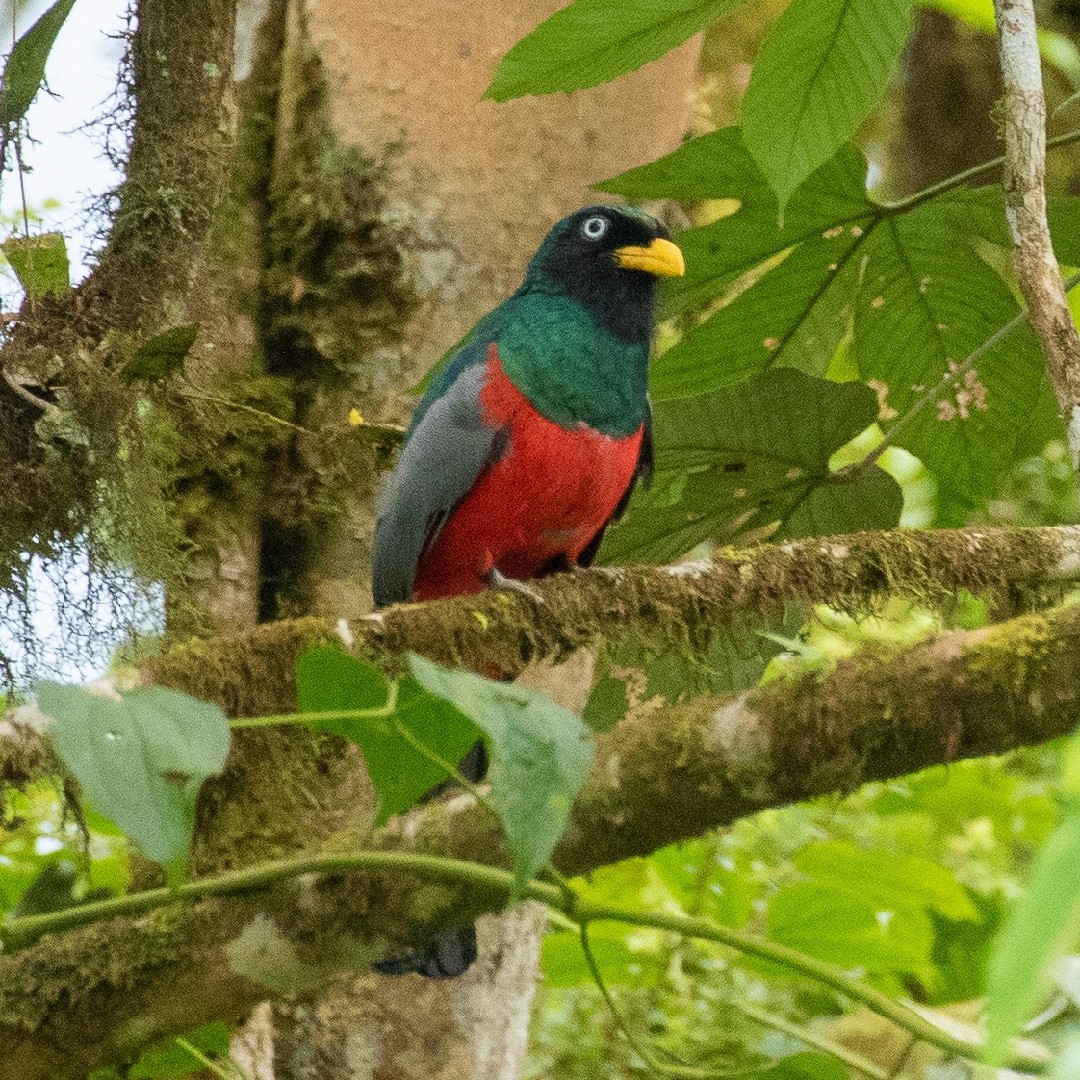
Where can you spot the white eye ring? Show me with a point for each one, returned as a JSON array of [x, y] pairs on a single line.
[[592, 228]]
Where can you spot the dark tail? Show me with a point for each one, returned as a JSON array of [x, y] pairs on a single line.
[[449, 955], [453, 951]]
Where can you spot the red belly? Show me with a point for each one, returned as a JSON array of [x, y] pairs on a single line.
[[548, 495]]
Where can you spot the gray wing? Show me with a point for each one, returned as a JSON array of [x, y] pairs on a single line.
[[441, 460]]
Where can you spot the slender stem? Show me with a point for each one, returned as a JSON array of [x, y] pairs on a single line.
[[821, 971], [18, 933], [951, 183], [810, 1038], [277, 719], [226, 403], [687, 1071]]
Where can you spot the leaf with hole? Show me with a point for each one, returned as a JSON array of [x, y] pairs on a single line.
[[140, 757], [926, 301], [40, 263], [540, 755], [328, 680], [593, 41], [24, 71]]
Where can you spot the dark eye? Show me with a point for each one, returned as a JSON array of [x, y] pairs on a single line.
[[592, 228]]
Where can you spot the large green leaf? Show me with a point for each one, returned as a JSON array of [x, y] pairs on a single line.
[[327, 680], [593, 41], [791, 317], [1036, 927], [24, 71], [754, 459], [846, 927], [820, 71], [926, 301], [889, 879], [540, 756], [140, 757]]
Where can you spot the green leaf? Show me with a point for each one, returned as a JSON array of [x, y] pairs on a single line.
[[159, 357], [1037, 926], [791, 317], [888, 878], [40, 263], [846, 927], [754, 459], [926, 301], [171, 1059], [24, 71], [327, 680], [140, 757], [806, 1066], [820, 71], [593, 41], [540, 756], [718, 166]]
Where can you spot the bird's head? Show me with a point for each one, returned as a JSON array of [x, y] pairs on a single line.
[[608, 259]]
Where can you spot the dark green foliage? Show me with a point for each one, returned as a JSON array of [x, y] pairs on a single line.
[[903, 285], [162, 355], [24, 71], [754, 458]]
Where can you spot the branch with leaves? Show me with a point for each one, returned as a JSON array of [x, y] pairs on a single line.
[[272, 930]]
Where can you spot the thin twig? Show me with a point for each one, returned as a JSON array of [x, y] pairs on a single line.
[[688, 1071]]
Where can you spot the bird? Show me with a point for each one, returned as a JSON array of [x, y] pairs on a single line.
[[529, 439]]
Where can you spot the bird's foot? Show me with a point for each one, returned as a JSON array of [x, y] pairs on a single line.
[[498, 580]]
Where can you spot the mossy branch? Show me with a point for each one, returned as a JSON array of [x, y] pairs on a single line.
[[251, 673], [74, 1001]]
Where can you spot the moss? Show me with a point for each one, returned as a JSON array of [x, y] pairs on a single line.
[[1006, 656]]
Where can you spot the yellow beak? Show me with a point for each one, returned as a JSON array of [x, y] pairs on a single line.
[[661, 257]]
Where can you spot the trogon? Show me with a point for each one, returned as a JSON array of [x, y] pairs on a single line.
[[529, 439]]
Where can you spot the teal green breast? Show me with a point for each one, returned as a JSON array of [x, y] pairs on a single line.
[[568, 366]]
